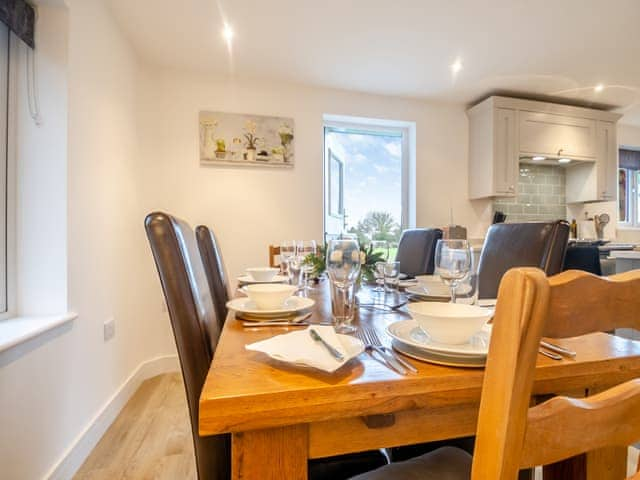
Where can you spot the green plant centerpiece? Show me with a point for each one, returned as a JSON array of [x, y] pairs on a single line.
[[368, 260]]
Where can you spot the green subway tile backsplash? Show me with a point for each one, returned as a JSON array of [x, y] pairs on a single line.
[[540, 195]]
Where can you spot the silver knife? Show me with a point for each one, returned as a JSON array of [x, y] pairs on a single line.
[[400, 360], [335, 353], [558, 349], [549, 354]]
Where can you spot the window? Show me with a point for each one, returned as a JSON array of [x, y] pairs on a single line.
[[4, 155], [629, 188], [366, 180]]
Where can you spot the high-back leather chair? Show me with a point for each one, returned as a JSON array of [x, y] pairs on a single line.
[[195, 327], [416, 250], [509, 245], [214, 270], [585, 258], [513, 435]]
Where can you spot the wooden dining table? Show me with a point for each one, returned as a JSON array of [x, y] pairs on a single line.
[[280, 416]]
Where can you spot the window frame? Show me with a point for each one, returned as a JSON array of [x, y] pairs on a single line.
[[632, 181], [378, 126], [11, 251]]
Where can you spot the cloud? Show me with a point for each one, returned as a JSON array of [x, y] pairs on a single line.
[[394, 149], [381, 169]]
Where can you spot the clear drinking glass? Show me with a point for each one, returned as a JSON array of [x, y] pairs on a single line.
[[343, 268], [452, 262], [305, 248], [378, 274], [382, 247], [287, 251], [391, 276], [469, 286]]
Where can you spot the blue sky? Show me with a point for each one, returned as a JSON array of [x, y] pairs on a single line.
[[373, 173]]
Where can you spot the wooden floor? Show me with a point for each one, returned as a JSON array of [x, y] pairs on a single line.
[[151, 438]]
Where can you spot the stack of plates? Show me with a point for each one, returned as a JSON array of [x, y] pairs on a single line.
[[410, 339], [244, 307]]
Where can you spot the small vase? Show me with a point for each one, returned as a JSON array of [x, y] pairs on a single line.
[[251, 154]]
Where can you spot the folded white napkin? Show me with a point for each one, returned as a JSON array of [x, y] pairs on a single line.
[[299, 348]]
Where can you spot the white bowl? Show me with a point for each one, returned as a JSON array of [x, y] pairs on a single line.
[[262, 274], [269, 296], [450, 323]]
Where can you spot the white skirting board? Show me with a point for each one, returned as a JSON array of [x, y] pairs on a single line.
[[79, 450]]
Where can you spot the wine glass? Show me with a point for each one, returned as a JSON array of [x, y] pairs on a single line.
[[343, 268], [378, 274], [304, 248], [287, 251], [453, 262], [382, 247]]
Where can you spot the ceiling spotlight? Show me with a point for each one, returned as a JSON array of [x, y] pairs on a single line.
[[227, 33], [538, 158], [598, 88], [564, 160], [456, 66]]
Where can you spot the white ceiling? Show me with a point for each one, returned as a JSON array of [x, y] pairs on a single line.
[[405, 47]]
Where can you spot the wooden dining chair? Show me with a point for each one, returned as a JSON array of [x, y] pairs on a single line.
[[274, 251], [214, 270], [512, 435]]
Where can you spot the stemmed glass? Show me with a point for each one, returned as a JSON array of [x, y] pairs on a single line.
[[381, 246], [378, 274], [304, 248], [343, 268], [452, 262], [287, 252]]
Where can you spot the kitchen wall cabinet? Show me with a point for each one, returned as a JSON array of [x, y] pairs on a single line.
[[503, 130]]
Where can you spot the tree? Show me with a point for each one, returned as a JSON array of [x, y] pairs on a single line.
[[377, 225]]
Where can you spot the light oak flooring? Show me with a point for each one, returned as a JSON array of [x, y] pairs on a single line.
[[151, 438]]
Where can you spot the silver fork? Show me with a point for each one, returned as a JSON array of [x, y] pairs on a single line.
[[384, 357], [374, 340]]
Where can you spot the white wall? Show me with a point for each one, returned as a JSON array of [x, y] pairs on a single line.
[[52, 388], [250, 208]]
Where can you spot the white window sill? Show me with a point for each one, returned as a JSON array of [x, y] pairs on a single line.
[[15, 331], [628, 227]]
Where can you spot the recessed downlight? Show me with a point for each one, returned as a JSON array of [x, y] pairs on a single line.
[[564, 160], [227, 33], [456, 66], [598, 88], [538, 158]]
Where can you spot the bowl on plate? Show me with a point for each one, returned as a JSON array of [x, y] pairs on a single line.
[[449, 323], [262, 274], [269, 296]]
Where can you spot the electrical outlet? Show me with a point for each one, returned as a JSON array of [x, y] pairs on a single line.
[[109, 328]]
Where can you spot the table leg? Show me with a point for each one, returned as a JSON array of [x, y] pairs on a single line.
[[270, 454]]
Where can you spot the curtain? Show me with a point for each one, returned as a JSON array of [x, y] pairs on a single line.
[[629, 159], [20, 17]]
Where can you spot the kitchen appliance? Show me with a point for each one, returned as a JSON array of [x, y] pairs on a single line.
[[600, 222]]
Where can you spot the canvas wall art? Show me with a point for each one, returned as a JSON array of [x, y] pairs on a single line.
[[246, 140]]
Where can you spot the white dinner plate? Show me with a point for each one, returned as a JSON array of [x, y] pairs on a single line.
[[409, 333], [248, 279], [291, 305], [439, 359]]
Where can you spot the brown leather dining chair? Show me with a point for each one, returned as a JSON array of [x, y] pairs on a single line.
[[214, 270], [416, 251], [509, 245], [511, 434], [197, 330], [195, 327]]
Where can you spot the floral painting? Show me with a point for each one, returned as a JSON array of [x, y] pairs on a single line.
[[238, 139]]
